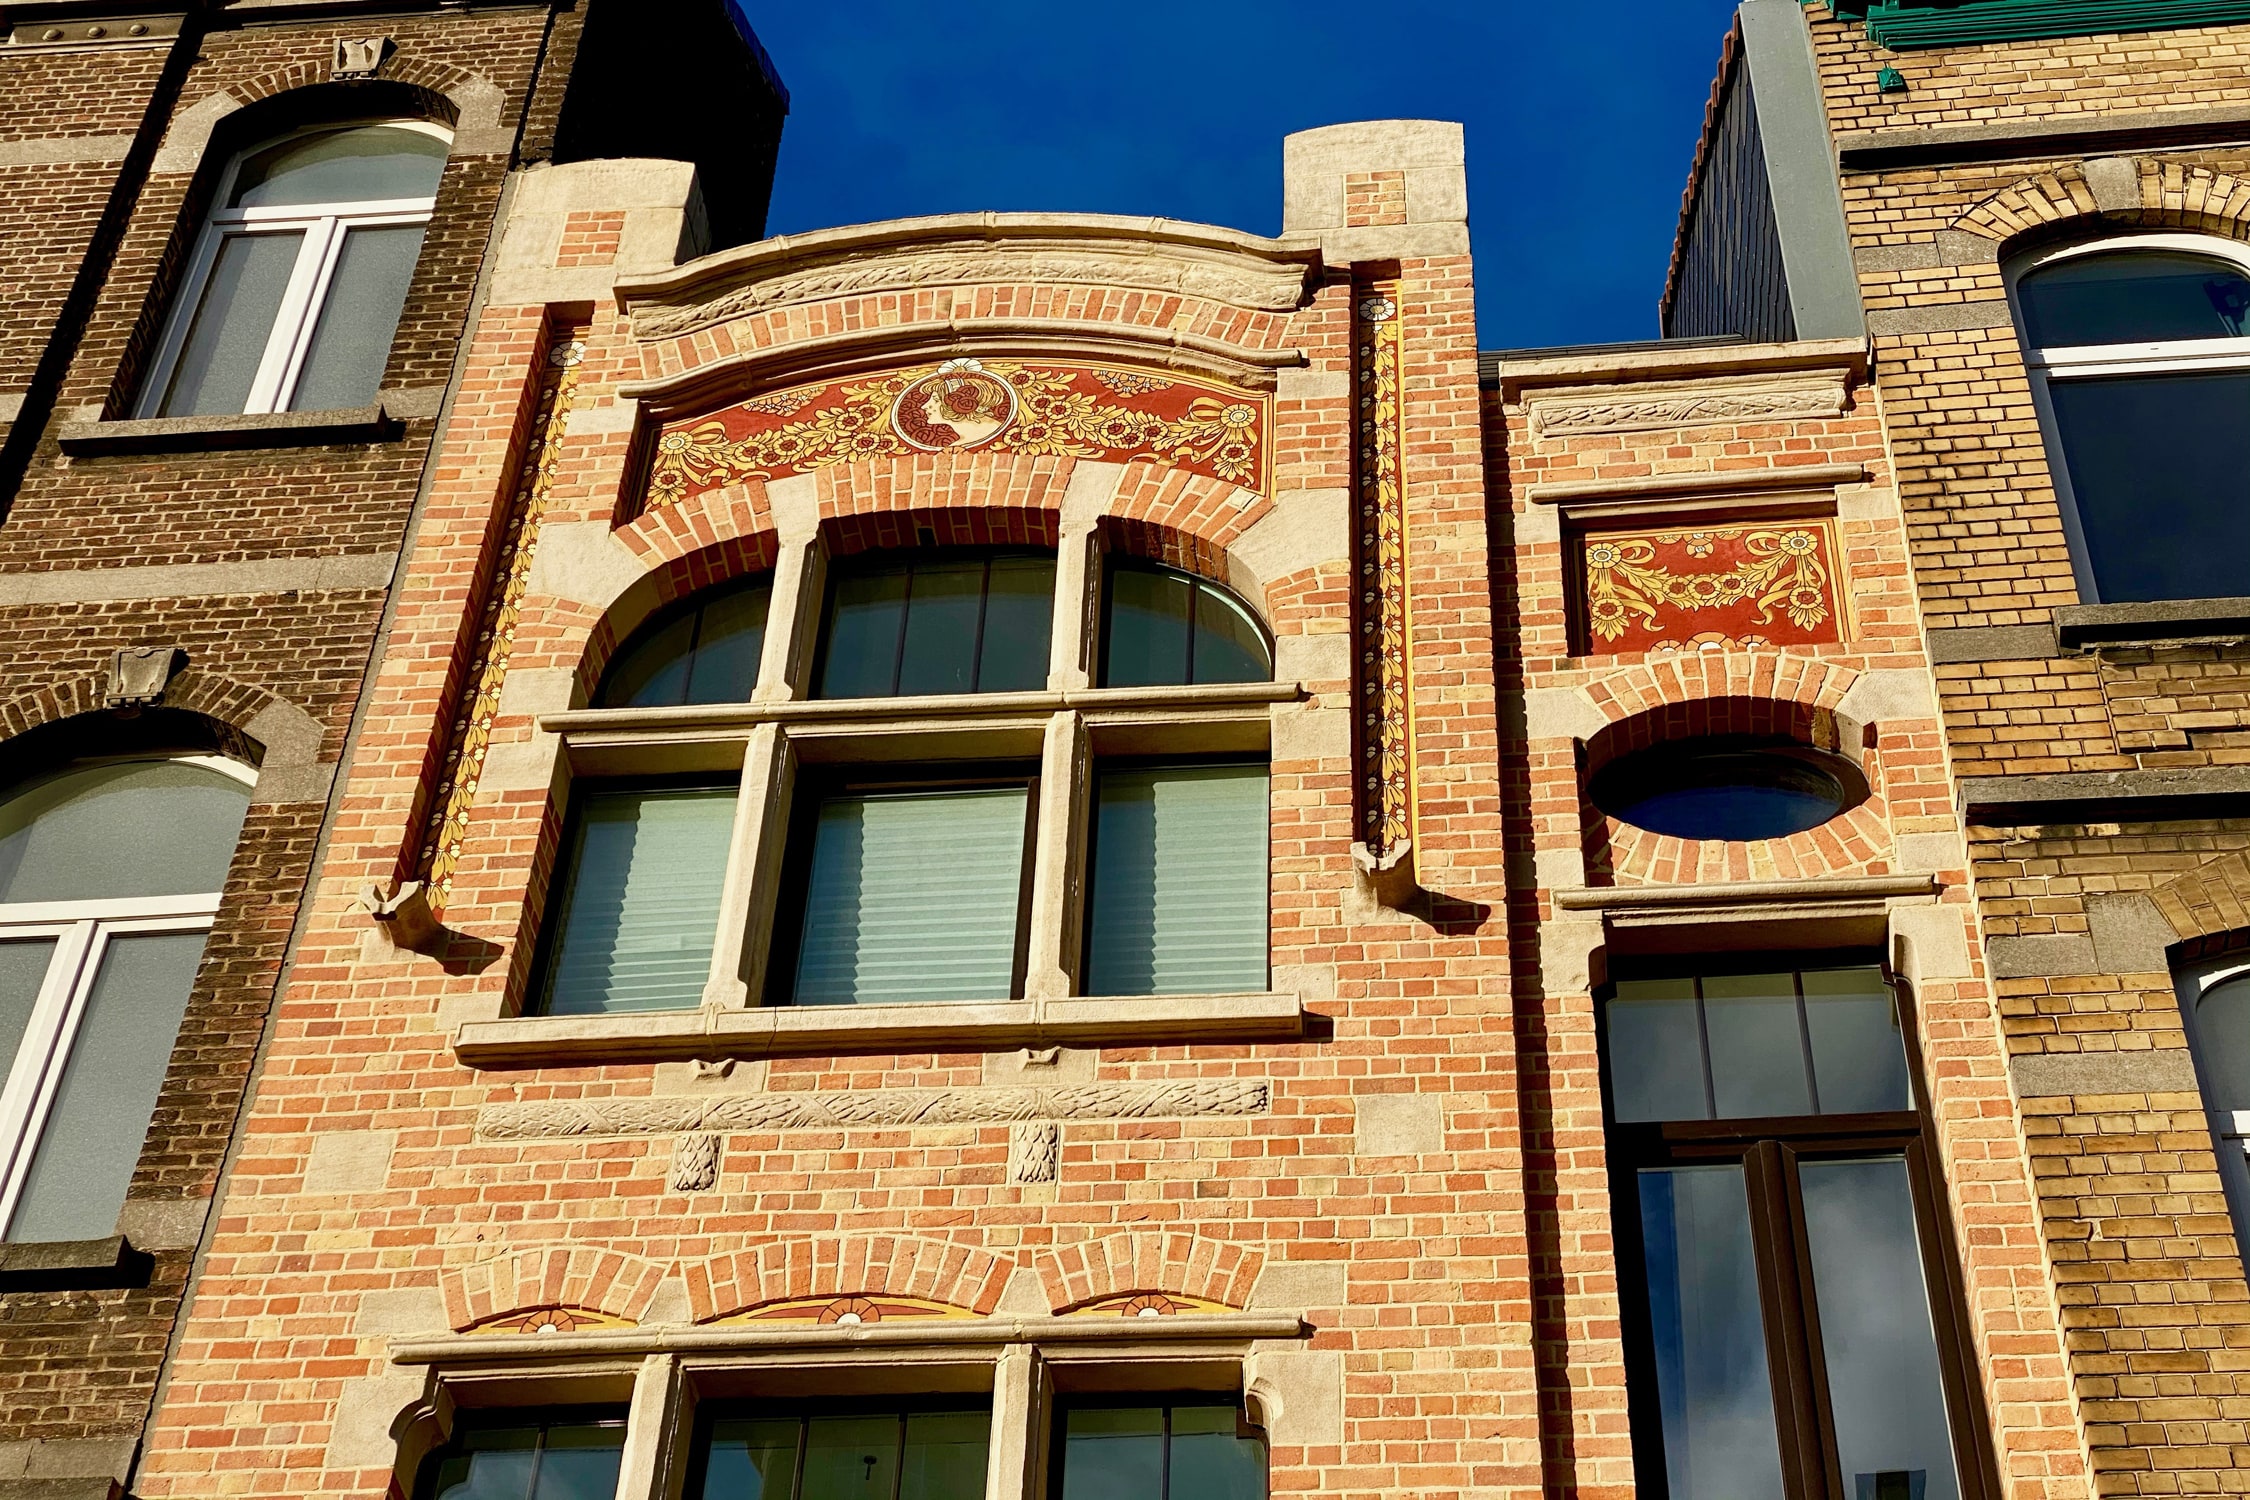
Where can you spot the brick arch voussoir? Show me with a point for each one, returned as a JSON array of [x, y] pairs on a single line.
[[2171, 195], [847, 1265], [1014, 494], [1172, 1262], [242, 709], [1647, 687], [2208, 907], [683, 549], [588, 1278]]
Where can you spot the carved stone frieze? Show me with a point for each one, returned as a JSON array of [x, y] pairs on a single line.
[[1700, 403], [871, 1109]]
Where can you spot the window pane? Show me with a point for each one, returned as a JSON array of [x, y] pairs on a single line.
[[851, 1458], [1757, 1050], [1209, 1462], [85, 833], [528, 1461], [1019, 622], [704, 654], [752, 1458], [1229, 646], [342, 166], [940, 651], [92, 1137], [1180, 882], [494, 1464], [946, 1455], [2222, 1036], [640, 901], [2152, 460], [1709, 1336], [1145, 642], [1859, 1055], [913, 896], [866, 616], [580, 1462], [351, 342], [1655, 1051], [23, 969], [653, 671], [2134, 298], [233, 324], [727, 649], [1113, 1453], [1891, 1433]]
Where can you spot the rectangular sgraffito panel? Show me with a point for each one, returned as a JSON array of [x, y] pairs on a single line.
[[1774, 583]]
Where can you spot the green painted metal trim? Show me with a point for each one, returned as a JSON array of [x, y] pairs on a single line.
[[1906, 24]]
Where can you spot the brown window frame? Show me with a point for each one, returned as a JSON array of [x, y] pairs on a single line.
[[1769, 1148]]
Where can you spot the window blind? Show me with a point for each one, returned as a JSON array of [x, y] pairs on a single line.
[[913, 896], [640, 901], [1179, 892]]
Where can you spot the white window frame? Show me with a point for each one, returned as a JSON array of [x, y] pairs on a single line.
[[2087, 361], [2230, 1128], [324, 226], [81, 932]]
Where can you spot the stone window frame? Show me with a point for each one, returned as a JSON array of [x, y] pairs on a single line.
[[325, 227], [1067, 729], [29, 1081], [2230, 1129], [1027, 1366], [2042, 366]]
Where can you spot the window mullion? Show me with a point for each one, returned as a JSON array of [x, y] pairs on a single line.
[[1078, 591], [1015, 1468], [656, 1438], [1792, 1353], [754, 863], [1058, 859], [800, 581], [292, 325]]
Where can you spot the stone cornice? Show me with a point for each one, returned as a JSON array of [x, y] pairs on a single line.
[[1160, 255], [1684, 360]]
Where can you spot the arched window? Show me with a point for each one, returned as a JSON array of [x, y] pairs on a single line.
[[702, 650], [2215, 1004], [2140, 358], [1162, 628], [109, 877], [938, 623], [298, 281]]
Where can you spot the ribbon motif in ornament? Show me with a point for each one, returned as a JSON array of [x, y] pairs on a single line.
[[1778, 578]]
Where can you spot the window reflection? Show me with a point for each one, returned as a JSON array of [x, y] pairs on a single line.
[[1730, 787], [844, 1455], [944, 623], [704, 650], [1166, 628], [529, 1459], [1193, 1450]]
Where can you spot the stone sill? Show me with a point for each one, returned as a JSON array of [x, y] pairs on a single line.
[[286, 429], [71, 1265], [2164, 620], [2105, 796], [791, 1031]]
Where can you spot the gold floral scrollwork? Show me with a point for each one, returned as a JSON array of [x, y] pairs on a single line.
[[1782, 569]]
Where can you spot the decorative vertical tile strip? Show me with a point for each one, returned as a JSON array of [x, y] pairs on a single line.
[[471, 733], [1385, 738]]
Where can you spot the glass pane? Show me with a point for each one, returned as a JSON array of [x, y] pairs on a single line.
[[653, 671], [1757, 1049], [1891, 1433], [2148, 467], [752, 1459], [2135, 298], [1655, 1052], [1019, 621], [489, 1464], [1718, 791], [1229, 646], [1859, 1055], [87, 832], [727, 649], [866, 615], [342, 166], [351, 342], [640, 903], [2222, 1037], [1209, 1462], [580, 1462], [851, 1458], [1711, 1377], [913, 896], [945, 1455], [23, 969], [92, 1136], [940, 652], [233, 324], [1113, 1453], [1145, 641], [1180, 882]]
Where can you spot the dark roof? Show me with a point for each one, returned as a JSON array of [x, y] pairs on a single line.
[[1730, 55]]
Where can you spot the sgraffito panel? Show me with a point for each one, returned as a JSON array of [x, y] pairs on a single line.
[[1042, 410], [1774, 583]]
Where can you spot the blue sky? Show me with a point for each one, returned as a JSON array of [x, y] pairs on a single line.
[[1581, 122]]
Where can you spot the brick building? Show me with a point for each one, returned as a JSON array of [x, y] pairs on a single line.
[[240, 243], [1041, 855]]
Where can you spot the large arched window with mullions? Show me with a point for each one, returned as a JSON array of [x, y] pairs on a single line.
[[704, 649], [2139, 352], [110, 874], [1162, 627], [300, 275]]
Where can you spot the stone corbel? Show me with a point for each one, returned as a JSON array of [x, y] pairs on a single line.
[[359, 56], [1389, 878], [403, 915], [139, 675]]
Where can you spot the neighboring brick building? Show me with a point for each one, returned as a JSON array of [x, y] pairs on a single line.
[[239, 244]]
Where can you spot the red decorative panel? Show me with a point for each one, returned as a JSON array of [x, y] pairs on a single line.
[[1077, 411], [1776, 583]]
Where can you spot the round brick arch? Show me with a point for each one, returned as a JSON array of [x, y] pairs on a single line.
[[900, 1265], [253, 723], [2168, 195]]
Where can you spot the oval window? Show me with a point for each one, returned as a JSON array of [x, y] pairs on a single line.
[[1733, 787]]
